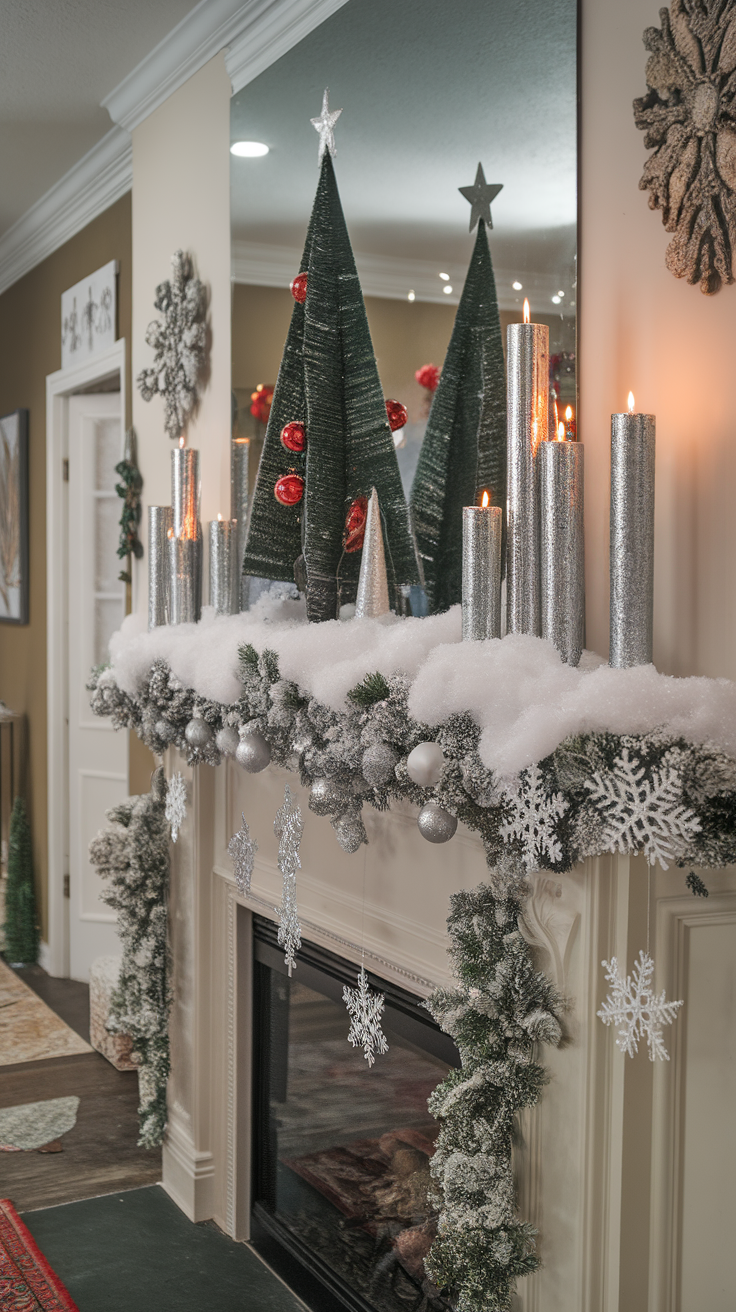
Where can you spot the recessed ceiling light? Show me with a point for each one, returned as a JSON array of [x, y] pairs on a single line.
[[555, 300], [447, 290], [445, 277], [560, 293], [249, 149], [411, 296], [516, 286]]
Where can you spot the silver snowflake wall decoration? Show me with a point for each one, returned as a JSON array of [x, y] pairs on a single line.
[[179, 340], [176, 804], [640, 813], [365, 1010], [288, 827], [242, 849], [533, 815], [636, 1009]]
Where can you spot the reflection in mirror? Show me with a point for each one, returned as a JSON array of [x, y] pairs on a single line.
[[428, 88]]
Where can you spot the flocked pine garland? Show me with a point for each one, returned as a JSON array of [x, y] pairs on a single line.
[[654, 793]]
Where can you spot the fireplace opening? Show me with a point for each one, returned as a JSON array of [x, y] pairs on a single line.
[[342, 1193]]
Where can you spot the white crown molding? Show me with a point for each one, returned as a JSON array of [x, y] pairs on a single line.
[[262, 265], [271, 28], [99, 178]]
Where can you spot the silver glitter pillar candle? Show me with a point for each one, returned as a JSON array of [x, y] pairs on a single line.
[[239, 458], [372, 598], [632, 538], [184, 575], [222, 562], [482, 526], [159, 523], [185, 491], [562, 547], [527, 364]]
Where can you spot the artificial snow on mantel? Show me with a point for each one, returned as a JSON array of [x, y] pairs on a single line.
[[525, 700]]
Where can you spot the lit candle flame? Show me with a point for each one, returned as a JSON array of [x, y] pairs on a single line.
[[170, 533], [631, 403], [568, 413], [560, 432], [219, 516], [484, 499], [181, 440], [527, 312]]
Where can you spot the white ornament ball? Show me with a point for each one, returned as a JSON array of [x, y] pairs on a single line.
[[252, 752], [435, 823], [198, 733], [379, 764], [226, 740], [326, 797], [424, 764]]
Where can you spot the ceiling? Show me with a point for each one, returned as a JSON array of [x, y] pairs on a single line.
[[427, 88], [58, 60]]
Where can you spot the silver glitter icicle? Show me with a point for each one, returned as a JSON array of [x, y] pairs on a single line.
[[288, 827], [632, 539]]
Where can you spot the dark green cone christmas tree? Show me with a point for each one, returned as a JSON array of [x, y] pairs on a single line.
[[464, 447], [329, 391], [21, 926]]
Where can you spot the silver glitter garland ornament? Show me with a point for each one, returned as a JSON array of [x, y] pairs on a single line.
[[226, 740], [326, 797], [424, 764], [198, 733], [242, 849], [350, 832], [175, 809], [378, 764], [252, 752], [165, 731], [435, 823], [372, 599], [632, 538], [288, 827]]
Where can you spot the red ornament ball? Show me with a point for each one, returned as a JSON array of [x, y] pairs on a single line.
[[294, 436], [289, 489], [428, 376], [299, 288], [355, 524], [397, 414]]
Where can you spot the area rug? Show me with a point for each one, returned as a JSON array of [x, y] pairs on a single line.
[[29, 1030], [36, 1124], [27, 1283]]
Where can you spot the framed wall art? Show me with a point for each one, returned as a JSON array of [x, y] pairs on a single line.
[[14, 518]]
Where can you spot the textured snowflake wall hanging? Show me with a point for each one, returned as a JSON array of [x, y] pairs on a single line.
[[636, 1009], [365, 1010], [179, 340], [242, 849], [639, 814], [534, 813], [689, 117], [176, 804], [288, 827]]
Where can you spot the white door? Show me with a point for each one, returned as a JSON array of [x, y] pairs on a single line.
[[98, 755]]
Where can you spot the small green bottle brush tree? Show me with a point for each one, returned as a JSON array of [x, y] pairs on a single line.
[[329, 437]]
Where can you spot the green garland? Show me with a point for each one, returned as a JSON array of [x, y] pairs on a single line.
[[129, 489]]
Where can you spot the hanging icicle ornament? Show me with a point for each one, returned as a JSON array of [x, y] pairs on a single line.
[[242, 849], [365, 1010], [176, 804], [636, 1009], [288, 827]]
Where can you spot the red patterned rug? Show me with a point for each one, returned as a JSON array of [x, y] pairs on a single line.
[[27, 1283]]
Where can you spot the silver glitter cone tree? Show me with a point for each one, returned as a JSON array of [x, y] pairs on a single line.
[[328, 383], [464, 447]]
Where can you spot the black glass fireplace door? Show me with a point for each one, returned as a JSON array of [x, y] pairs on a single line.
[[341, 1150]]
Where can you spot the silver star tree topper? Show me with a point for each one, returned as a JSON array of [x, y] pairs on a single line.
[[480, 196], [365, 1009], [638, 1011], [242, 849], [325, 125], [176, 804]]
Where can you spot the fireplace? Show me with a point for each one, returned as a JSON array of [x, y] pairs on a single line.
[[342, 1203]]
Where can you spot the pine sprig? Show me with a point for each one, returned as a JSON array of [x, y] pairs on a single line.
[[374, 688]]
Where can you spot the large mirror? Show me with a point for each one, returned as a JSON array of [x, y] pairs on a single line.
[[427, 89]]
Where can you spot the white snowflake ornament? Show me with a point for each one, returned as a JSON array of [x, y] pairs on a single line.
[[288, 827], [636, 1009], [176, 804], [639, 814], [365, 1010], [179, 340], [242, 849], [533, 819]]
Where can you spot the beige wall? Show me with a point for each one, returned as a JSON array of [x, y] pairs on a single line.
[[30, 348], [643, 329]]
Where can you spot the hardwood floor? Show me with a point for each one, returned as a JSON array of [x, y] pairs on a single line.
[[100, 1155]]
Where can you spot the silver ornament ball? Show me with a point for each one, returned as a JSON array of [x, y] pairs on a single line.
[[350, 832], [378, 764], [435, 823], [165, 731], [253, 752], [424, 764], [198, 733], [326, 797], [226, 740]]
